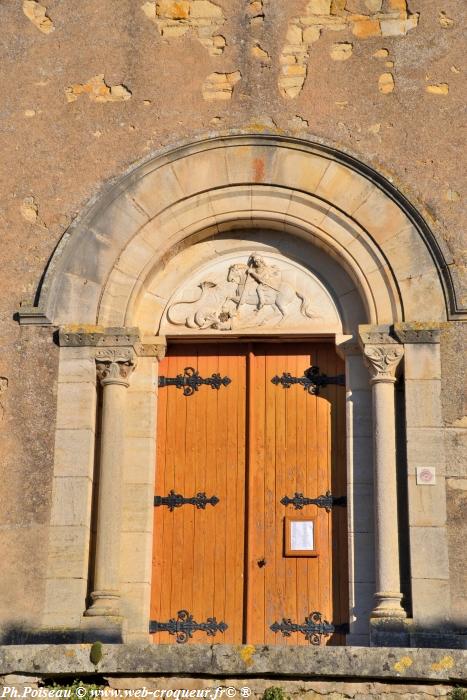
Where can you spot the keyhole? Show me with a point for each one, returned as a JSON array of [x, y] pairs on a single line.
[[261, 563]]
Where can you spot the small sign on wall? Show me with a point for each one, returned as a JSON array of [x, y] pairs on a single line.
[[300, 537], [426, 476]]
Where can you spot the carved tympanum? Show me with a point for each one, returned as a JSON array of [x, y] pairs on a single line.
[[114, 365], [382, 360], [253, 294]]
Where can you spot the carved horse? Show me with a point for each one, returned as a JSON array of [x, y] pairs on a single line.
[[279, 297]]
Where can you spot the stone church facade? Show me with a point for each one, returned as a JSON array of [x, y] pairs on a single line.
[[232, 392]]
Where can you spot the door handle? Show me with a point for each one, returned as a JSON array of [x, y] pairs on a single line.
[[261, 563]]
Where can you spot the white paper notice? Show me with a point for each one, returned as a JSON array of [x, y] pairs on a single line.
[[302, 535]]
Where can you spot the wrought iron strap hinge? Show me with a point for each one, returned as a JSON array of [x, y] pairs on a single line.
[[312, 381], [328, 501], [190, 381], [185, 625], [313, 628], [176, 500]]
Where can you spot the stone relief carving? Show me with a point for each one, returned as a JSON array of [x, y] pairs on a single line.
[[382, 360], [250, 294], [114, 365]]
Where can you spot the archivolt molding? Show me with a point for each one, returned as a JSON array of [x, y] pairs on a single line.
[[104, 268]]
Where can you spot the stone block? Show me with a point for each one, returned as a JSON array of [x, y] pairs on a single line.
[[382, 217], [64, 602], [210, 168], [136, 599], [407, 255], [425, 446], [429, 553], [422, 361], [71, 501], [365, 28], [157, 190], [140, 418], [139, 459], [205, 9], [294, 170], [319, 7], [137, 508], [76, 406], [362, 520], [116, 296], [77, 298], [423, 297], [362, 546], [74, 453], [423, 403], [136, 557], [362, 460], [430, 602], [427, 504], [359, 412], [74, 370], [362, 603], [344, 188], [338, 227], [68, 552], [136, 256]]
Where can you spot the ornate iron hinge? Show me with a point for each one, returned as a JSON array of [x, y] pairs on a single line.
[[190, 381], [312, 380], [328, 501], [314, 628], [176, 500], [184, 626]]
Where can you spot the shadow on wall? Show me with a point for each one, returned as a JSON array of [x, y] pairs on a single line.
[[442, 636], [21, 634]]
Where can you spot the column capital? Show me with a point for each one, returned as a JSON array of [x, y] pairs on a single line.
[[114, 365], [382, 361]]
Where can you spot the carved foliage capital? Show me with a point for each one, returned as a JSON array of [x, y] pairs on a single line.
[[382, 361], [114, 365]]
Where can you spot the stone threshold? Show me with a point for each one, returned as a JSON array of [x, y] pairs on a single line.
[[220, 660]]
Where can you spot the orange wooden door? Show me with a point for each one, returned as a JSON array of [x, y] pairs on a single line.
[[296, 445], [198, 555], [249, 444]]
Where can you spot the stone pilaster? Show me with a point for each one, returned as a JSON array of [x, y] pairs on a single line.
[[382, 360], [114, 366]]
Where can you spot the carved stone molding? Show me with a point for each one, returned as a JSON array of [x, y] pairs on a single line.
[[412, 333], [382, 361], [114, 365], [97, 336]]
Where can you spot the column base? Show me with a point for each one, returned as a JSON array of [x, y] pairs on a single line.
[[388, 605], [390, 632], [104, 604]]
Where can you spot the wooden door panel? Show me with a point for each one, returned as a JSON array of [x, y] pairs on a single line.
[[198, 555], [250, 444], [292, 449]]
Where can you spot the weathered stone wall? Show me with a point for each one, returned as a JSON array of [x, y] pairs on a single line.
[[91, 88]]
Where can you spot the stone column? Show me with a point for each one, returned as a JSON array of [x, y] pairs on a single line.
[[114, 366], [382, 361]]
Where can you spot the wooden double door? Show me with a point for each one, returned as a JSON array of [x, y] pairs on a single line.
[[238, 556]]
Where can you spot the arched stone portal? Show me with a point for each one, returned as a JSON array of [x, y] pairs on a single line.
[[339, 234]]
